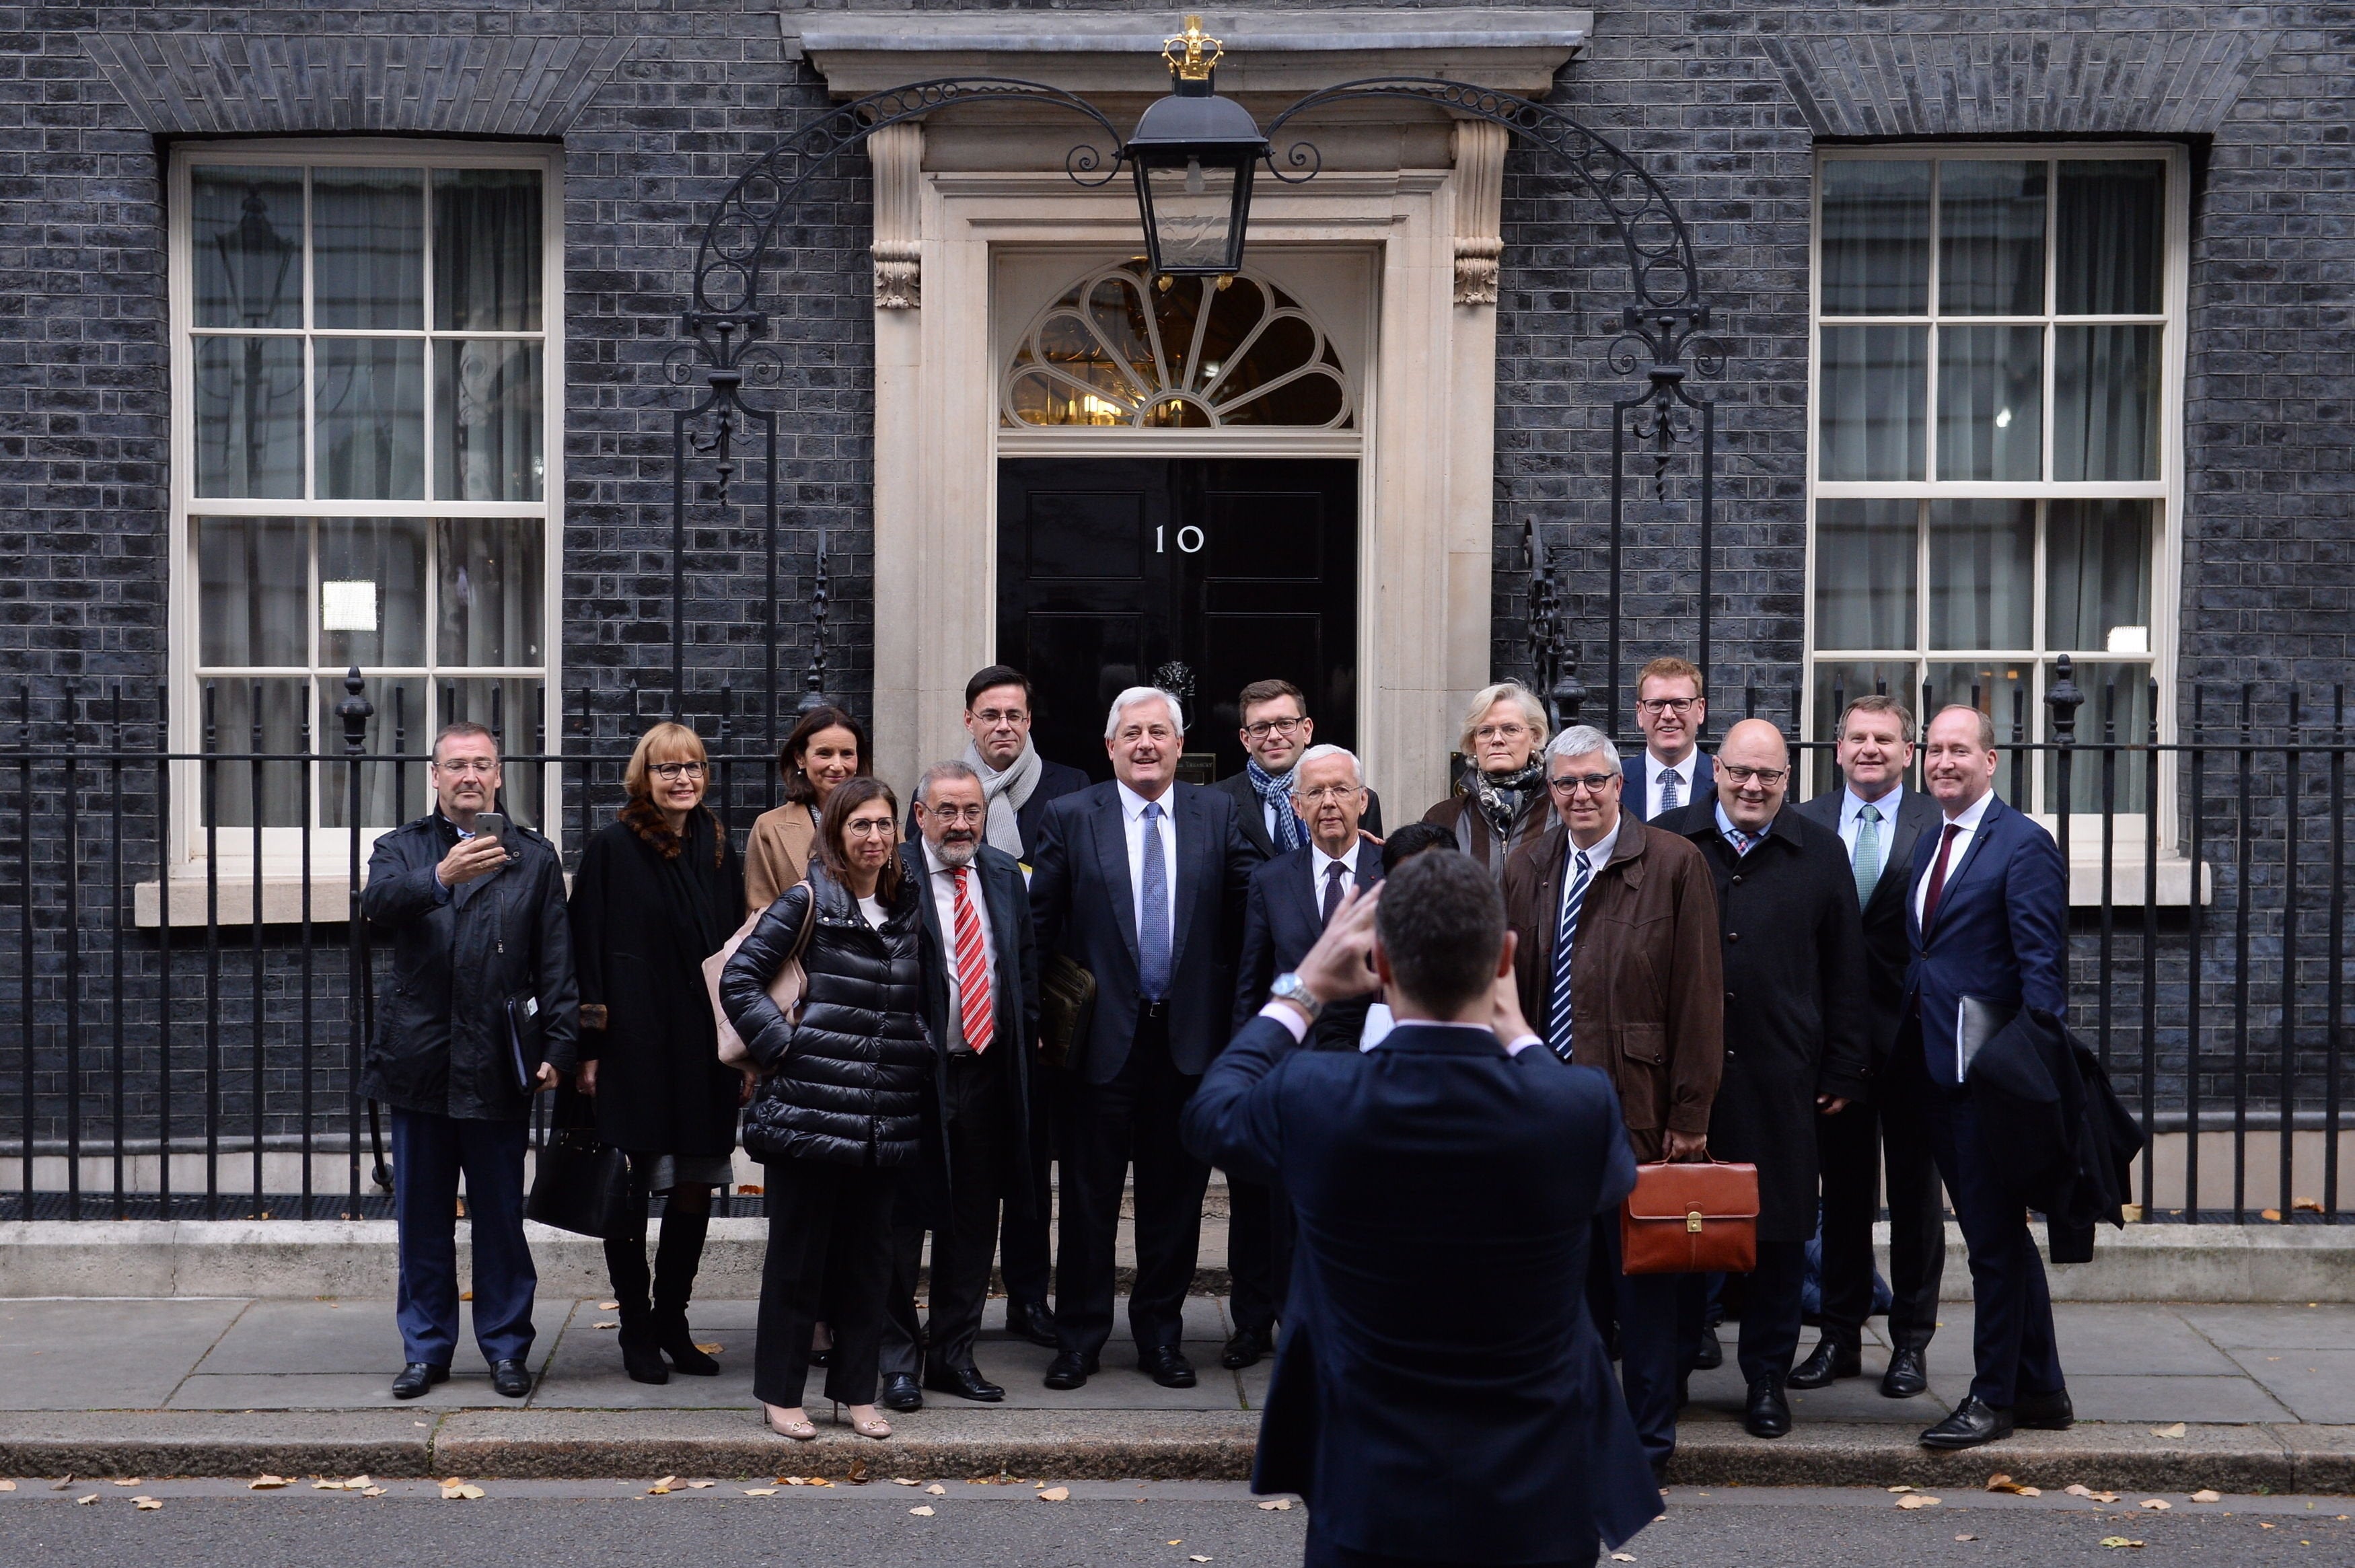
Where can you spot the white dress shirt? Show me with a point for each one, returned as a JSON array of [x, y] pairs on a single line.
[[1851, 803], [1131, 816], [943, 881], [1969, 822], [1651, 770], [1598, 855], [1297, 1027], [1318, 860]]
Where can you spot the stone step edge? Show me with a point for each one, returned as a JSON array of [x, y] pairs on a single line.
[[1183, 1445]]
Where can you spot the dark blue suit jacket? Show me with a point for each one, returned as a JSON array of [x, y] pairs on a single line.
[[1433, 1171], [2000, 931], [1282, 919], [1637, 767], [1085, 908]]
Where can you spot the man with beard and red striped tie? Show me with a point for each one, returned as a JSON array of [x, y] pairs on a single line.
[[981, 1007], [1619, 965]]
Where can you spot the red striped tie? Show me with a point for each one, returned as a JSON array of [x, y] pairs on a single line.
[[972, 971]]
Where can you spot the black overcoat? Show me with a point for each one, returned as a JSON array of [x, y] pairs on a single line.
[[642, 923], [1797, 1020]]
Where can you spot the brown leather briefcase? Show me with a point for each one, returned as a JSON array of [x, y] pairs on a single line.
[[1691, 1217]]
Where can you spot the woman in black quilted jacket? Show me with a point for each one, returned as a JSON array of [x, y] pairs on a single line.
[[840, 1106]]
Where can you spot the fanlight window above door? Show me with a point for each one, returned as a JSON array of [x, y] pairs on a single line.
[[1202, 353]]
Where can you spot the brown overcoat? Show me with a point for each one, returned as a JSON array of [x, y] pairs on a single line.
[[1647, 977], [778, 857]]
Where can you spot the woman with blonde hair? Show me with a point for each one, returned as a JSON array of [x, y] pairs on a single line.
[[1500, 804], [828, 747], [658, 892]]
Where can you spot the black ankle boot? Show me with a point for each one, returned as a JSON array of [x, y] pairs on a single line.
[[676, 1257], [625, 1267]]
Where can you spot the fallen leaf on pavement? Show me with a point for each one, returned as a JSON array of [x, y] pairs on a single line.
[[1277, 1505], [937, 1490], [923, 1510], [2176, 1429], [2118, 1540], [2273, 1214], [62, 1486], [265, 1483], [147, 1505], [372, 1491], [1917, 1500], [609, 1306], [1967, 1538], [1061, 1494], [659, 1489], [92, 1499], [464, 1490], [2204, 1495], [859, 1472], [133, 1481], [1901, 1489], [699, 1486], [711, 1350], [760, 1491], [905, 1481], [2157, 1505], [2105, 1496], [2081, 1491], [607, 1324], [8, 1485], [2308, 1205], [1999, 1482], [466, 1295], [1198, 1557], [1623, 1557]]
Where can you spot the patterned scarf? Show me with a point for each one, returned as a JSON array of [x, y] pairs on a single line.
[[1275, 793], [1500, 796], [1007, 793]]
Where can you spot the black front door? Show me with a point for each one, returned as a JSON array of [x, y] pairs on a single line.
[[1198, 574]]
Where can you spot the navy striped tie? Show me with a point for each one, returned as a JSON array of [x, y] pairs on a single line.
[[1581, 873]]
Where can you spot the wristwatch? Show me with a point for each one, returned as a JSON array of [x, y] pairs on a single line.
[[1289, 987]]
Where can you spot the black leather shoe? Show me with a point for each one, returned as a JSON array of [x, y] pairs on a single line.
[[1244, 1349], [1971, 1425], [1769, 1414], [1713, 1353], [965, 1382], [1828, 1363], [1906, 1376], [416, 1378], [1031, 1320], [900, 1392], [1068, 1372], [510, 1378], [2044, 1412], [1166, 1365]]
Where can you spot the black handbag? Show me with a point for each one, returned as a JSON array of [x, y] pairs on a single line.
[[1067, 1006], [582, 1183]]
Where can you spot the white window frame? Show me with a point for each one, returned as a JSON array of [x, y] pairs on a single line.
[[2166, 491], [281, 851]]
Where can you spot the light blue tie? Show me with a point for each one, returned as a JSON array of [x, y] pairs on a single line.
[[1581, 872], [1867, 853], [1153, 929], [1668, 783]]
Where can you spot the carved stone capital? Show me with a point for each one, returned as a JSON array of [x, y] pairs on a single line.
[[898, 153], [1479, 200]]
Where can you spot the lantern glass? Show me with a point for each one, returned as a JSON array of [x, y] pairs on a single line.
[[1193, 211]]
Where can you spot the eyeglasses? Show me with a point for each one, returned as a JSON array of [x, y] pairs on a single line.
[[957, 813], [668, 770], [1324, 792], [1657, 705], [485, 766], [1267, 727], [1765, 777], [1592, 783], [1002, 716], [867, 827], [1501, 732]]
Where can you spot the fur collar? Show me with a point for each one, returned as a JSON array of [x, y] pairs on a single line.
[[646, 819]]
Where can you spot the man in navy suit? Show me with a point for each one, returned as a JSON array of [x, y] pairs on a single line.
[[1878, 821], [1141, 883], [1459, 1161], [1672, 771], [1276, 733], [1988, 919], [1293, 897]]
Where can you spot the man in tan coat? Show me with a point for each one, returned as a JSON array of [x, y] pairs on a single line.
[[1620, 969]]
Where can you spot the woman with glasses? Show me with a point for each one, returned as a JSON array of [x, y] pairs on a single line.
[[825, 748], [841, 1106], [1501, 802], [657, 893]]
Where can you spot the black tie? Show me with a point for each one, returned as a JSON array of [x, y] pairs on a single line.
[[1333, 875]]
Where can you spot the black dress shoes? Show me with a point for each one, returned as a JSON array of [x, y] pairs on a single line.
[[1906, 1376], [900, 1392], [1244, 1349], [510, 1378], [965, 1382], [1031, 1320], [2044, 1412], [1768, 1414], [416, 1378], [1068, 1372], [1830, 1362], [1712, 1352], [1166, 1365], [1971, 1425]]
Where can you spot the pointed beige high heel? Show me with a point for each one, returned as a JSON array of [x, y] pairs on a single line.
[[801, 1431], [873, 1427]]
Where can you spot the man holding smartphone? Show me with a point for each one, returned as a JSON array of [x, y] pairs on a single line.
[[480, 1015]]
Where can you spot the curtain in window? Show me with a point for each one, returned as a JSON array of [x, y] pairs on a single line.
[[1876, 238], [2106, 402], [1990, 237], [391, 794], [490, 589], [252, 580], [372, 591], [2097, 576], [1874, 396], [369, 435], [1982, 573], [1864, 573], [487, 399], [487, 259], [226, 717], [367, 248], [1990, 402], [2108, 234], [245, 246]]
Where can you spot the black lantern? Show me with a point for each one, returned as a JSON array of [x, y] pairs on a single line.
[[256, 258], [1194, 154]]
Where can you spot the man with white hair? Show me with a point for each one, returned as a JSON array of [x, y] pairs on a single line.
[[1141, 883]]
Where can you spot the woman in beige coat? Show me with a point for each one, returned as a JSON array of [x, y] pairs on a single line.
[[828, 747]]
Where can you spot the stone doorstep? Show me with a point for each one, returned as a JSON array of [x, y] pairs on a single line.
[[299, 1258], [1100, 1444]]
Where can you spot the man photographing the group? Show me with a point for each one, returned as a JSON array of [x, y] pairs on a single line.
[[1395, 1160]]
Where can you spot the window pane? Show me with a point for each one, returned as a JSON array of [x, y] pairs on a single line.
[[490, 591], [1839, 682], [1982, 573], [1876, 238], [487, 249], [2097, 576], [367, 247], [511, 709], [372, 591], [391, 794], [1990, 237], [1996, 689], [487, 401], [1864, 573], [249, 398], [2117, 704], [253, 577], [2109, 246], [245, 246], [1873, 389], [371, 418], [1990, 402], [227, 717], [2106, 402]]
